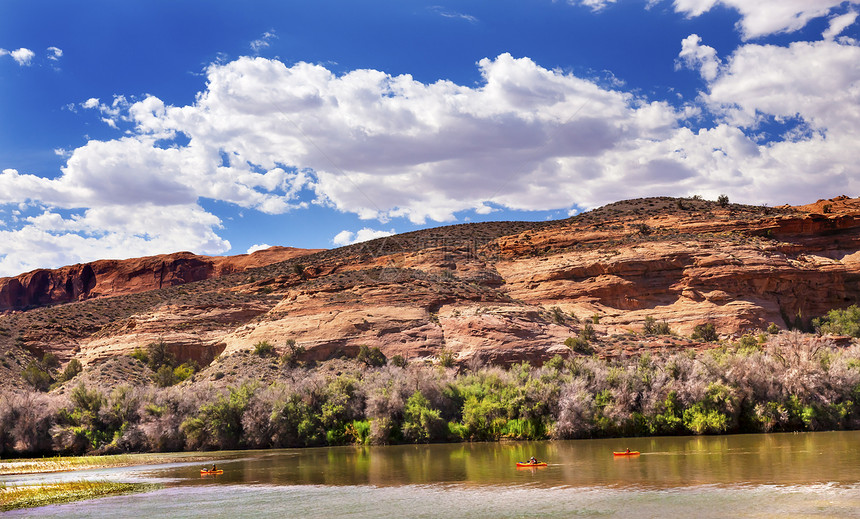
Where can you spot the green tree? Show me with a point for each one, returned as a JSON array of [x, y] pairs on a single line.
[[372, 357], [840, 322], [705, 332]]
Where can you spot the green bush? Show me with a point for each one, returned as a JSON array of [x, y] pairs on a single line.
[[840, 322], [579, 345], [293, 354], [164, 377], [159, 355], [446, 358], [73, 368], [264, 349], [36, 375], [372, 357], [723, 200], [773, 329], [422, 423], [652, 327], [705, 332]]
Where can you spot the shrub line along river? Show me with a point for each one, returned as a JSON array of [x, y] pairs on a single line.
[[768, 475]]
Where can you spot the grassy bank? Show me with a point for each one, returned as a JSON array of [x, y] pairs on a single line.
[[69, 463], [31, 496]]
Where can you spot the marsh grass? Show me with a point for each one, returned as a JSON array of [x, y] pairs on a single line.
[[31, 496], [69, 463]]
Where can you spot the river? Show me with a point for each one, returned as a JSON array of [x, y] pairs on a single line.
[[762, 476]]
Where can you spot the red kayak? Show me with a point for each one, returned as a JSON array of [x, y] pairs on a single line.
[[210, 472], [626, 453], [541, 464]]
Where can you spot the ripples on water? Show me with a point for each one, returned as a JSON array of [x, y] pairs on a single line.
[[760, 476]]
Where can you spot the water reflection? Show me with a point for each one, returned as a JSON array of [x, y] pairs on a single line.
[[777, 459]]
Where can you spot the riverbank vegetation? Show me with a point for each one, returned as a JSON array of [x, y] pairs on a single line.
[[784, 382], [31, 496]]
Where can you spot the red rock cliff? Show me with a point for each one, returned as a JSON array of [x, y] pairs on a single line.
[[106, 278]]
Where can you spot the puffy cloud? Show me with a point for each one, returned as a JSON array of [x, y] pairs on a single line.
[[54, 53], [763, 17], [816, 81], [365, 234], [118, 231], [697, 56], [258, 246], [839, 24], [22, 56], [271, 137]]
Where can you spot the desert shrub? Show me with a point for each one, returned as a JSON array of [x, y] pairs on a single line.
[[446, 358], [140, 354], [50, 362], [72, 369], [723, 200], [579, 345], [26, 421], [164, 377], [37, 376], [587, 332], [372, 357], [839, 322], [88, 424], [558, 316], [185, 370], [705, 332], [399, 361], [264, 349], [555, 363], [295, 424], [293, 355], [158, 355], [652, 327], [773, 329]]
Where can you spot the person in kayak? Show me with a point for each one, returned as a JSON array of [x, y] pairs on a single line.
[[628, 450], [533, 461]]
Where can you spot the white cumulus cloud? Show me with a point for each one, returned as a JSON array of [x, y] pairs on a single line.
[[22, 56], [365, 234], [763, 17], [257, 246], [697, 56]]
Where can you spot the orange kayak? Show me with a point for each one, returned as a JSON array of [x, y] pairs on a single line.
[[631, 453], [541, 464], [209, 472]]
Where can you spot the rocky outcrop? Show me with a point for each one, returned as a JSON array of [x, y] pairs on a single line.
[[105, 278], [489, 292]]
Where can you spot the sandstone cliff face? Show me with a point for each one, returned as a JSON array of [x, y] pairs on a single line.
[[495, 292], [107, 278]]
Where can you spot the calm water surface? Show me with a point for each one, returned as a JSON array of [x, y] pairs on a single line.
[[762, 476]]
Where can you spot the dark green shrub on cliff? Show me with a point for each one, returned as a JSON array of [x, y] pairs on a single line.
[[372, 357], [839, 322], [37, 376], [705, 332], [264, 349]]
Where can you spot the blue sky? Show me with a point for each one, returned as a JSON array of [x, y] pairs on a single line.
[[143, 127]]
